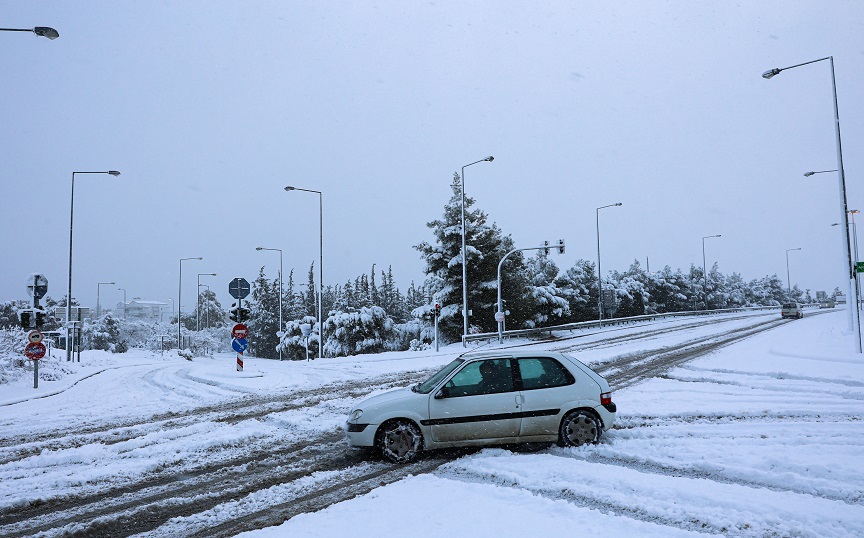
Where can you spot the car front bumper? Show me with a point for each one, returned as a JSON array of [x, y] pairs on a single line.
[[360, 435]]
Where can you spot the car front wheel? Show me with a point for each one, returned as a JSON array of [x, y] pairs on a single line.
[[399, 441], [579, 428]]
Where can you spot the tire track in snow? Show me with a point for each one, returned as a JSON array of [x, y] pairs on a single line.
[[171, 496]]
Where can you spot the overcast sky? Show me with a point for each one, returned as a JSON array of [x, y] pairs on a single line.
[[209, 109]]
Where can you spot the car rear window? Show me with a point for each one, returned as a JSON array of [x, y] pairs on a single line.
[[543, 372]]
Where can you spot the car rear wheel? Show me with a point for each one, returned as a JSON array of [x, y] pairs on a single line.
[[579, 428], [399, 441]]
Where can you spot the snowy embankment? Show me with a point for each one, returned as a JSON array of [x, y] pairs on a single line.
[[763, 438]]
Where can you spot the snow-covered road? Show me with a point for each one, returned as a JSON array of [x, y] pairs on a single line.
[[759, 437]]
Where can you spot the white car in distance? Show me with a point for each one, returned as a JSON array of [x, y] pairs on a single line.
[[488, 398]]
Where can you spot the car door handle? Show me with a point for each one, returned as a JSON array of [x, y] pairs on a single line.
[[520, 399]]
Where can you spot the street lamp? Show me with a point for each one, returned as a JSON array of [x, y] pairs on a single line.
[[320, 266], [180, 302], [42, 31], [280, 291], [198, 302], [98, 305], [704, 272], [69, 293], [124, 301], [788, 281], [464, 257], [808, 174], [599, 274], [850, 270]]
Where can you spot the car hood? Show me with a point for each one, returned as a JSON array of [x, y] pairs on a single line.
[[387, 397]]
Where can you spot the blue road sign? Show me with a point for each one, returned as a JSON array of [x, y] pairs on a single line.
[[239, 344], [238, 288]]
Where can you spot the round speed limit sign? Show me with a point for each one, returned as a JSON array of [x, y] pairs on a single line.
[[34, 337]]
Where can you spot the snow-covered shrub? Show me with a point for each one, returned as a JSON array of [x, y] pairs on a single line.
[[12, 359], [353, 333], [417, 345], [104, 334], [404, 334], [293, 343]]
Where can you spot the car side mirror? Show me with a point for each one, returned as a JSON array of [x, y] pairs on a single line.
[[442, 393]]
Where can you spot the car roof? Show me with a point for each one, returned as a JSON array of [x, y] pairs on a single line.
[[507, 353]]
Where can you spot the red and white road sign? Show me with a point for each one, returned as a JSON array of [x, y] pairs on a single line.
[[35, 351], [240, 331], [34, 337]]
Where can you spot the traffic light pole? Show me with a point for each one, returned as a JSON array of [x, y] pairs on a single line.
[[437, 315], [239, 319], [499, 315]]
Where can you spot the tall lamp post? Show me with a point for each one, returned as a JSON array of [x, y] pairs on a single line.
[[599, 274], [281, 328], [198, 302], [320, 266], [42, 31], [464, 258], [704, 271], [180, 302], [98, 290], [850, 270], [69, 293], [124, 301], [788, 281]]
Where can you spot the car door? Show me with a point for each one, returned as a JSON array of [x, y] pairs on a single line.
[[470, 407], [546, 385]]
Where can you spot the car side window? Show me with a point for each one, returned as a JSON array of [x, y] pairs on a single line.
[[491, 376], [543, 373]]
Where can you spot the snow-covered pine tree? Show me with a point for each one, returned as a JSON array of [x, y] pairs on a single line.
[[264, 322], [309, 296], [550, 306], [210, 312], [485, 246], [578, 285]]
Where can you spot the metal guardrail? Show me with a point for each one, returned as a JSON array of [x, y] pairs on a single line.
[[617, 321]]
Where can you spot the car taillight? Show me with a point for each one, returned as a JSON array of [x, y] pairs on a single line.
[[606, 398]]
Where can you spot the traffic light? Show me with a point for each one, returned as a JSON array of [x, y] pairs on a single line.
[[437, 310], [560, 246], [24, 316], [546, 247], [40, 318], [238, 315]]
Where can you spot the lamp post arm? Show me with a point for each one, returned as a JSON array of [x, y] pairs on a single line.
[[806, 63]]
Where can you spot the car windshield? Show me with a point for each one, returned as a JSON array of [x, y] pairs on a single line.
[[427, 386], [788, 306]]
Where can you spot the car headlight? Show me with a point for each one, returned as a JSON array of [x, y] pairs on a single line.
[[356, 414]]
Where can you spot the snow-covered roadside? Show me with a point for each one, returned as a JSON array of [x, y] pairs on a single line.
[[762, 438]]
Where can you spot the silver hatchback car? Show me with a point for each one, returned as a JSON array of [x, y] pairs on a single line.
[[791, 310], [489, 398]]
